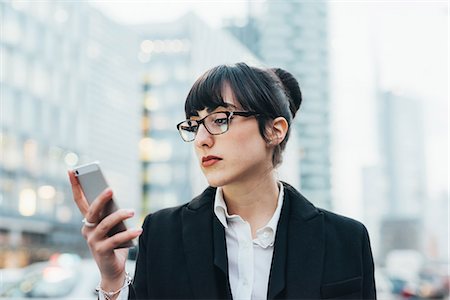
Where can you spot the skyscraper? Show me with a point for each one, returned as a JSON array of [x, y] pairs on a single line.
[[294, 37], [402, 148], [65, 101]]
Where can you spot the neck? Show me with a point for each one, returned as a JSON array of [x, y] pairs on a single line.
[[255, 201]]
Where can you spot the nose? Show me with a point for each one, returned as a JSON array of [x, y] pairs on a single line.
[[203, 137]]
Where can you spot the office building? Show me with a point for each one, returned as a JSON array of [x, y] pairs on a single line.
[[402, 146], [65, 101], [294, 36]]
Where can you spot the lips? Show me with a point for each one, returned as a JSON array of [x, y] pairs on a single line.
[[210, 160]]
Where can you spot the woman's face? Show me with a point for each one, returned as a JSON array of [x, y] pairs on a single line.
[[236, 156]]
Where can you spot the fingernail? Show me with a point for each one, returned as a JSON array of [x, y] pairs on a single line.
[[130, 212], [108, 192]]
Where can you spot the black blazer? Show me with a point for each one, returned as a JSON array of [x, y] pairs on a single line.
[[317, 254]]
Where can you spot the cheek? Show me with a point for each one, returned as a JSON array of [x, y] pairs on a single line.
[[249, 146], [247, 131]]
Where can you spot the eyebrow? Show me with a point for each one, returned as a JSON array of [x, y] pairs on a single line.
[[210, 110], [227, 105]]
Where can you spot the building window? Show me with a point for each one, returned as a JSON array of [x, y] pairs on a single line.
[[7, 186], [6, 74], [8, 115], [28, 114], [11, 151], [31, 156], [27, 204], [11, 31], [48, 119], [31, 36], [39, 80], [19, 70]]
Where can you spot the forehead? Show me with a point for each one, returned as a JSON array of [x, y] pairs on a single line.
[[229, 100], [228, 95]]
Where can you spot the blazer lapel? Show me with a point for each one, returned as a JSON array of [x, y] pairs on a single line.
[[277, 278], [200, 237], [299, 250], [220, 247]]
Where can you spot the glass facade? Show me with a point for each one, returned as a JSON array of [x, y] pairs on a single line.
[[294, 36], [47, 100]]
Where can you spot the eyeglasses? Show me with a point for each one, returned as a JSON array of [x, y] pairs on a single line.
[[215, 123]]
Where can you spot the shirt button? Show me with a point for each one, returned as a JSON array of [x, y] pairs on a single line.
[[245, 282]]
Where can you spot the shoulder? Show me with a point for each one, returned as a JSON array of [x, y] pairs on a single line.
[[164, 221], [344, 231], [342, 225], [333, 223], [172, 215]]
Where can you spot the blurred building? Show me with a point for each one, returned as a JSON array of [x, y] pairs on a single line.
[[403, 145], [375, 204], [294, 36], [173, 56], [437, 231], [246, 29], [65, 101], [400, 179]]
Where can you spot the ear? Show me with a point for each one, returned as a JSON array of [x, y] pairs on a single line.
[[277, 131]]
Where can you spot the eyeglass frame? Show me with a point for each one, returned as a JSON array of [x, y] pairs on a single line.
[[229, 115]]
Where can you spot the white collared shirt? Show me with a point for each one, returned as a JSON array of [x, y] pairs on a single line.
[[249, 260]]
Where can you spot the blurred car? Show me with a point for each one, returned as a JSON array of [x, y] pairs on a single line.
[[427, 286], [9, 276], [71, 280]]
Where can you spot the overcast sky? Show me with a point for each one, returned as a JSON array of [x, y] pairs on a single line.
[[403, 46]]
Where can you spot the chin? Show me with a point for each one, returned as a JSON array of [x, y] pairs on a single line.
[[215, 181]]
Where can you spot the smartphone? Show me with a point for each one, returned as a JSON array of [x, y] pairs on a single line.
[[93, 183]]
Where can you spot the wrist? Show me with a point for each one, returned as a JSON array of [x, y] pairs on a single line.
[[112, 283], [110, 288]]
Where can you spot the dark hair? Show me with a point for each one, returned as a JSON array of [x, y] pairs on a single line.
[[270, 92]]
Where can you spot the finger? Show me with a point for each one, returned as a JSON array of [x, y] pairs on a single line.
[[77, 193], [112, 220], [93, 213], [116, 240]]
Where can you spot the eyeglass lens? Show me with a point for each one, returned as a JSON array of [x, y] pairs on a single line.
[[215, 123]]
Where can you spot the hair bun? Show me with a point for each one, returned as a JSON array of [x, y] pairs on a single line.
[[292, 89]]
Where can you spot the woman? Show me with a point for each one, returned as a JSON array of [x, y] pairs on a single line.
[[248, 235]]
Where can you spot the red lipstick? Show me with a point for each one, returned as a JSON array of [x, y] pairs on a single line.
[[210, 160]]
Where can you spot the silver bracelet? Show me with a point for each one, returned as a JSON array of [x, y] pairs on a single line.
[[108, 295]]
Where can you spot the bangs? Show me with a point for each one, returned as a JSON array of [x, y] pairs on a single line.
[[206, 92], [250, 86]]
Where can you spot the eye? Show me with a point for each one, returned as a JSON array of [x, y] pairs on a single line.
[[221, 121]]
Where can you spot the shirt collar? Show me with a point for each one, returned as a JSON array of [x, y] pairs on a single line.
[[264, 239], [220, 208]]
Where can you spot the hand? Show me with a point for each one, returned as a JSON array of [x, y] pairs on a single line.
[[110, 261]]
